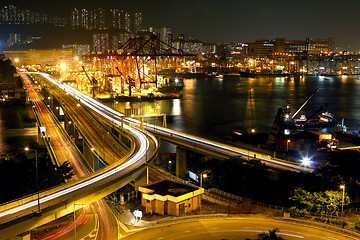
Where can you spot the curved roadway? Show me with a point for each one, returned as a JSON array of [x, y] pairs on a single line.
[[234, 228], [20, 214], [179, 138]]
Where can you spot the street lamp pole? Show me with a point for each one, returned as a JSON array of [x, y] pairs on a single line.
[[83, 205], [202, 175], [287, 148], [251, 132], [37, 177], [343, 198]]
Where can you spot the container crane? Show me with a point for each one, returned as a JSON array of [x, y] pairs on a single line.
[[92, 81]]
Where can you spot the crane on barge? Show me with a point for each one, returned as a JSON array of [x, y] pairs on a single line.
[[285, 124]]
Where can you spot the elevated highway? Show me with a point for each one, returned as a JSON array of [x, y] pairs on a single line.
[[21, 215], [185, 140]]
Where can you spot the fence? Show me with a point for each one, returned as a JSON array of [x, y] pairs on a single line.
[[217, 196]]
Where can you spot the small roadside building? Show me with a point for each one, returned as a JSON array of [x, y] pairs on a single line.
[[169, 197]]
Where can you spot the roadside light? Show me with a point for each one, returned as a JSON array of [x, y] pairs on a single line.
[[253, 130], [62, 66], [27, 149], [69, 122], [204, 175], [306, 161], [76, 58], [92, 149], [16, 60], [78, 105], [343, 198]]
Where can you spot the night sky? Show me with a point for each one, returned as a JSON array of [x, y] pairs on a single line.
[[234, 20]]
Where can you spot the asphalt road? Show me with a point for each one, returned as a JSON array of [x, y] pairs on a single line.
[[232, 228]]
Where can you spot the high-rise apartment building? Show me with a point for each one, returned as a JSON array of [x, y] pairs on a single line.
[[101, 42], [10, 14], [75, 18], [14, 38], [165, 37], [116, 18], [97, 19], [85, 19], [138, 21], [101, 18], [126, 21]]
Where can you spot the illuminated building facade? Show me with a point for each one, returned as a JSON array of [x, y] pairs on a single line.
[[126, 22], [101, 42], [172, 198], [138, 21], [165, 36], [78, 49], [116, 18]]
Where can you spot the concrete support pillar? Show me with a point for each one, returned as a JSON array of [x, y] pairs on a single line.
[[142, 180], [67, 124], [180, 162], [88, 154]]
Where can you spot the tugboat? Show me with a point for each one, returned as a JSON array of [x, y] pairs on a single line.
[[343, 134]]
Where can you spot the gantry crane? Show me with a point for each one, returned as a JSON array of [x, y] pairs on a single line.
[[138, 61]]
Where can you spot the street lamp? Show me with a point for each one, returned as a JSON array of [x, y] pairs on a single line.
[[97, 156], [306, 161], [73, 128], [37, 176], [287, 145], [251, 132], [202, 175], [343, 198], [83, 205], [287, 148]]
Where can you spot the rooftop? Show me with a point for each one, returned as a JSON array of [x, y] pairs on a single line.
[[167, 187]]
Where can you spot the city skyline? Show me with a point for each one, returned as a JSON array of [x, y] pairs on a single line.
[[234, 21]]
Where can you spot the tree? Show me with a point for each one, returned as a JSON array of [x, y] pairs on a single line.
[[327, 202], [7, 70], [270, 236]]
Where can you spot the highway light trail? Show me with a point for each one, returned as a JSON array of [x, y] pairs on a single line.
[[135, 160], [117, 117]]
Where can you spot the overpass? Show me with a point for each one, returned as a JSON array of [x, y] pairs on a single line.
[[183, 140], [21, 215]]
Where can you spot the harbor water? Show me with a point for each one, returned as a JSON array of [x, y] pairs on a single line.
[[212, 107]]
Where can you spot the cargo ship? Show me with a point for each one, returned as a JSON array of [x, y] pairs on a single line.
[[323, 120], [170, 84]]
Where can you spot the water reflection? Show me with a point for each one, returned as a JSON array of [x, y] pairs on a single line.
[[212, 108]]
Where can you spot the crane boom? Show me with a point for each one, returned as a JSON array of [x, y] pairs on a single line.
[[305, 103]]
